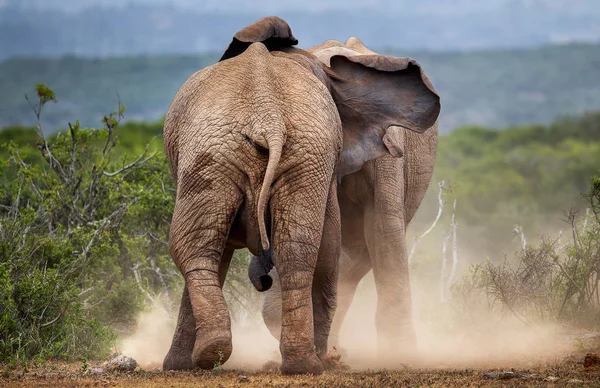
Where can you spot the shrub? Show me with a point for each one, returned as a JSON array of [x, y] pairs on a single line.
[[83, 240], [554, 281]]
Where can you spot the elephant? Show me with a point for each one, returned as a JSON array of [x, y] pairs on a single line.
[[376, 203], [254, 143]]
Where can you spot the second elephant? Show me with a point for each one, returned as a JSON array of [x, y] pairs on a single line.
[[377, 203]]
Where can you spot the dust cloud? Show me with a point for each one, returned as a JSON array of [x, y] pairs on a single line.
[[151, 340], [444, 339], [253, 345]]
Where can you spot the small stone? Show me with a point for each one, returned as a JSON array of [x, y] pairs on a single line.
[[97, 371], [591, 359], [506, 375], [551, 378], [121, 364], [243, 379]]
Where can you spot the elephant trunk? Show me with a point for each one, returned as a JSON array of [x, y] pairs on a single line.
[[259, 276]]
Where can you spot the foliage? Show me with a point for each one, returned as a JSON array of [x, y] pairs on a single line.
[[522, 175], [594, 196], [83, 238], [553, 281], [240, 294]]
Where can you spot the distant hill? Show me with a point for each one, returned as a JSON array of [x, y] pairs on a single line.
[[101, 28], [491, 88]]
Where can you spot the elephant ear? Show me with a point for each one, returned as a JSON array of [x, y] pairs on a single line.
[[372, 93], [272, 31]]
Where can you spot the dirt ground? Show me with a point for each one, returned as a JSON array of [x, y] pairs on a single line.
[[567, 370]]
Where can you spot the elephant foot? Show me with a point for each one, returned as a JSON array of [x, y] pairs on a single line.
[[332, 360], [299, 366], [178, 359], [212, 353]]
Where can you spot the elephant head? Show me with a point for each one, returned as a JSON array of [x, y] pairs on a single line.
[[375, 95]]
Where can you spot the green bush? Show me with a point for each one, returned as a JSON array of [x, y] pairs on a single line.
[[524, 175], [83, 240], [555, 281]]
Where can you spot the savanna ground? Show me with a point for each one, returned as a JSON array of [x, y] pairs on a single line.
[[563, 369]]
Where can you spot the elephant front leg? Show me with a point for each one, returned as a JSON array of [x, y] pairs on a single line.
[[271, 310], [385, 235], [179, 356]]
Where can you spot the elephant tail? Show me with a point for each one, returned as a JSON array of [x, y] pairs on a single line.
[[275, 146], [259, 268]]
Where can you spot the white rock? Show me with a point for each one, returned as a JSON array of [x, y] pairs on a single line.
[[121, 364]]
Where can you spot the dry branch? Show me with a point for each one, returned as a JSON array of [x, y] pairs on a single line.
[[437, 218]]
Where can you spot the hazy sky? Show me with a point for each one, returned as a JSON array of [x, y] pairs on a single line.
[[46, 27], [433, 6]]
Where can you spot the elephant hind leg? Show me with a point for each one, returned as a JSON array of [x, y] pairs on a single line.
[[323, 287], [298, 218], [199, 231], [179, 356]]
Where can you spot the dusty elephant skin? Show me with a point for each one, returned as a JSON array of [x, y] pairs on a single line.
[[376, 203], [253, 143]]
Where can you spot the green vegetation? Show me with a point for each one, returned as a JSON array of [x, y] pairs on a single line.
[[84, 221], [524, 175], [528, 231], [555, 280], [83, 230], [489, 88]]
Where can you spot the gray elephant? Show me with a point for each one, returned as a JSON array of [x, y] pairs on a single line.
[[376, 203], [254, 143]]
